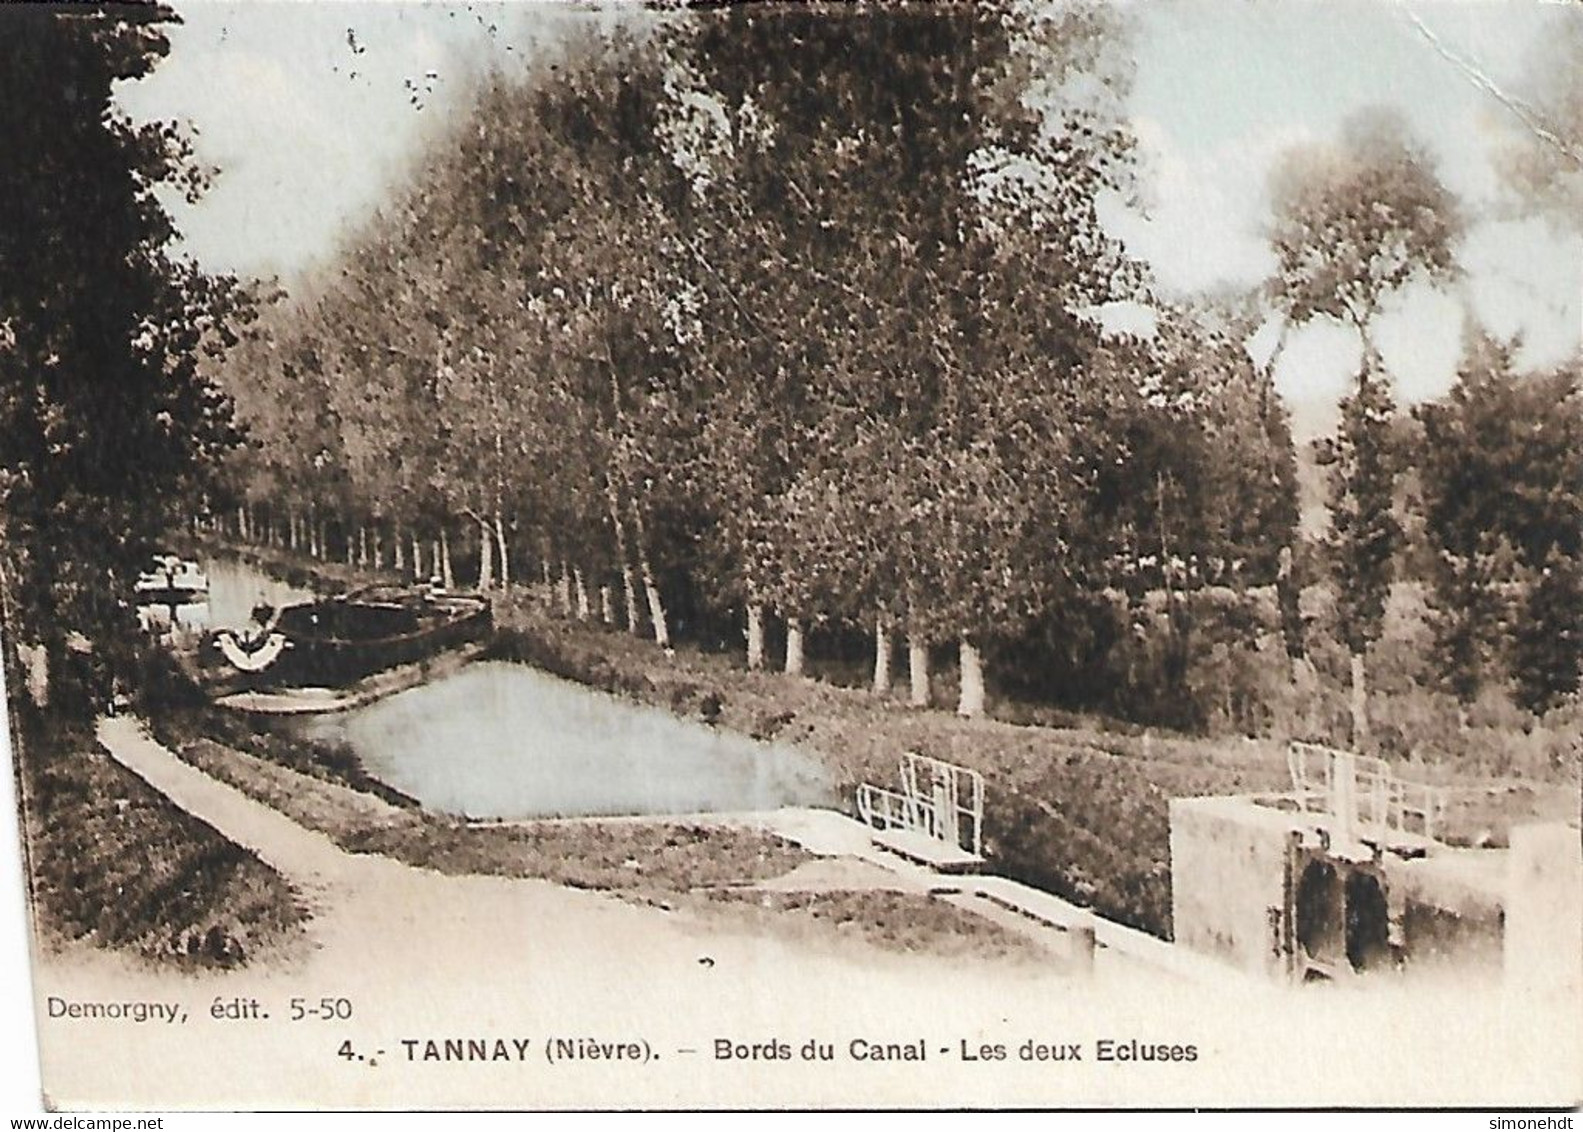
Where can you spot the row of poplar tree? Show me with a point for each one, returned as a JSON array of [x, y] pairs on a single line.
[[784, 317], [784, 312], [771, 317]]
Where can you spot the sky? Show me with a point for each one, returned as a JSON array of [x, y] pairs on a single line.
[[310, 111]]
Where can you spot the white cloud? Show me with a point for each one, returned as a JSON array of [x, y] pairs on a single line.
[[1203, 214], [1525, 278]]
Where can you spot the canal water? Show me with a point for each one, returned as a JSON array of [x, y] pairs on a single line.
[[503, 740]]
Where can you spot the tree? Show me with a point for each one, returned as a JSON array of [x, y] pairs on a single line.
[[1548, 647], [1353, 224], [897, 217], [1361, 464], [108, 425], [1500, 467], [1357, 221], [1502, 453]]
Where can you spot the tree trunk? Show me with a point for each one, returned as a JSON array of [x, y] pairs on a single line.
[[581, 587], [629, 590], [447, 577], [417, 559], [755, 636], [881, 655], [607, 606], [918, 670], [629, 599], [505, 556], [970, 703], [794, 650], [398, 547], [563, 591], [1360, 705], [662, 633], [486, 556]]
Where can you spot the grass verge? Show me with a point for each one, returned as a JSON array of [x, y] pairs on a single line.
[[115, 864]]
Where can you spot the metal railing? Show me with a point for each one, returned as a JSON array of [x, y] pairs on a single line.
[[937, 799], [1361, 792], [890, 809]]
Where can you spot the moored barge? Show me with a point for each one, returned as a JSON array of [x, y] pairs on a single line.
[[335, 642]]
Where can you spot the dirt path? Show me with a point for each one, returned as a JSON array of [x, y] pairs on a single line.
[[303, 856]]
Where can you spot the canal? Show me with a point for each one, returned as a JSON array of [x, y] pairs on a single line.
[[503, 740]]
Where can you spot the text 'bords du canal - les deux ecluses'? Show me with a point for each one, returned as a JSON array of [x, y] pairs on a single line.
[[960, 1049]]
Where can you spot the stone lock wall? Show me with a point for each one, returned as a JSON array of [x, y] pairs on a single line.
[[1228, 876]]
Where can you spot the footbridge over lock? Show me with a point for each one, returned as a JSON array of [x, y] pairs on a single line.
[[935, 815]]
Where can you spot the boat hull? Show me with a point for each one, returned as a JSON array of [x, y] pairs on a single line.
[[337, 642]]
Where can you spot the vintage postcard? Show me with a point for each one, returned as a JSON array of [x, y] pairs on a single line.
[[1022, 554]]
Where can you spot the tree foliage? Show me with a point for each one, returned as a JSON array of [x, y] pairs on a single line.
[[788, 310], [1358, 221], [1500, 468], [109, 421]]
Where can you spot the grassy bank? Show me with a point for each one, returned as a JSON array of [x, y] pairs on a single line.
[[669, 865], [115, 864]]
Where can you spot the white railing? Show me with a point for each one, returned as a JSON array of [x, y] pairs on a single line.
[[1361, 793], [889, 809], [938, 799]]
